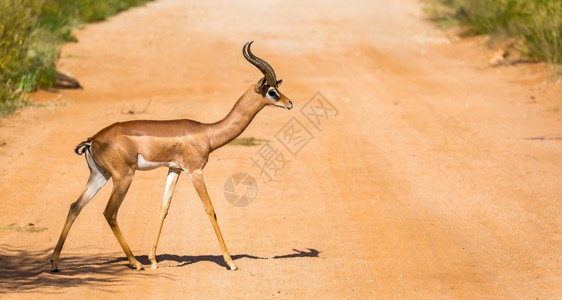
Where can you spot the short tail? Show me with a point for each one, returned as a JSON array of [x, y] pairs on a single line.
[[82, 147]]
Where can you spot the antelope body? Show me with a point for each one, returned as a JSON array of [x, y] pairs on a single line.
[[120, 149]]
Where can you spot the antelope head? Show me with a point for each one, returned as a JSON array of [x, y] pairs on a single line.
[[268, 86]]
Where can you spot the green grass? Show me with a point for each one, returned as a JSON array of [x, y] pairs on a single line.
[[30, 33], [250, 141], [30, 227], [535, 24]]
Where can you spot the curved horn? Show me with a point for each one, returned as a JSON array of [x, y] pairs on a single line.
[[261, 64]]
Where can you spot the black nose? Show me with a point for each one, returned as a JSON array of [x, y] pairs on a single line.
[[290, 102]]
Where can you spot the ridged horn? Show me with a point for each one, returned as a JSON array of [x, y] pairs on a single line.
[[261, 64]]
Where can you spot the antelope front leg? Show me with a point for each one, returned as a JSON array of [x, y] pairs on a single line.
[[199, 183], [171, 181]]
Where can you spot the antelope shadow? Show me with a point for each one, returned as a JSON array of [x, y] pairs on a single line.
[[25, 271], [185, 260]]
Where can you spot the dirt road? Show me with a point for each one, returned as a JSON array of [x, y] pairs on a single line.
[[421, 172]]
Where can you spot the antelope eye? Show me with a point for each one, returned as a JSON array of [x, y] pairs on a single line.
[[272, 93]]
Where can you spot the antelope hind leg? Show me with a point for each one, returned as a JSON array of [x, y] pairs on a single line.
[[97, 179]]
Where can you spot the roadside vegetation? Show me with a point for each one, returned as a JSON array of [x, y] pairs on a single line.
[[30, 33], [535, 25]]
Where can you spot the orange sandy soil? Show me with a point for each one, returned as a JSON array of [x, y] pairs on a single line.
[[440, 176]]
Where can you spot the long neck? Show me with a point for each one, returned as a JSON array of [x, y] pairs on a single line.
[[243, 112]]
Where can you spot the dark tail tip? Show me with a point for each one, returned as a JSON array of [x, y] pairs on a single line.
[[81, 148]]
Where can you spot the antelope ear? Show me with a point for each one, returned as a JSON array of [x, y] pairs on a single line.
[[260, 84], [279, 82]]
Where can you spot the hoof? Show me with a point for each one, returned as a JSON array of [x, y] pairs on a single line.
[[54, 267], [233, 267], [137, 266], [154, 265]]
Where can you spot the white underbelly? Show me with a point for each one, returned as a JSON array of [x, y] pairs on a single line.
[[144, 165]]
